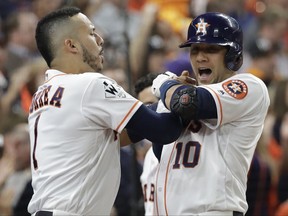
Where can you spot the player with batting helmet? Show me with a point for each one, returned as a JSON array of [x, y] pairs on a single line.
[[205, 171]]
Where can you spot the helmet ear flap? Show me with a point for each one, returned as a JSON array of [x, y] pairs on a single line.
[[233, 58]]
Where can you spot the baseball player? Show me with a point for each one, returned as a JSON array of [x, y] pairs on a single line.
[[150, 165], [75, 120], [148, 181], [205, 171]]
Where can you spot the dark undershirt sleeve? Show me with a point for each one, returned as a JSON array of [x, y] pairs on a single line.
[[207, 106], [157, 127]]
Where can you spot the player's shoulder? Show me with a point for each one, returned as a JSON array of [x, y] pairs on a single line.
[[250, 79], [248, 82], [93, 79], [242, 86], [246, 85], [92, 75]]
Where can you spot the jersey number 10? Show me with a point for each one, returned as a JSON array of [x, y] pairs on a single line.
[[190, 156]]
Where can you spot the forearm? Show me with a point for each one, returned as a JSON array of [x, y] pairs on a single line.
[[156, 127], [188, 101], [169, 94]]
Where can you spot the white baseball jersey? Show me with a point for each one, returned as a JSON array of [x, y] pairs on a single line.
[[148, 176], [74, 124], [207, 171], [148, 181]]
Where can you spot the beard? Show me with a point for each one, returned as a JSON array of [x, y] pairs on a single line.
[[93, 61]]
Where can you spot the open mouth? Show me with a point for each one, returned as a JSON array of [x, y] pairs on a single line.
[[204, 74], [203, 71]]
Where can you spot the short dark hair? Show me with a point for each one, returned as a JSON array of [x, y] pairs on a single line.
[[45, 27], [144, 82]]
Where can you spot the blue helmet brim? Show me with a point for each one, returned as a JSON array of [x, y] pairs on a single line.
[[206, 40]]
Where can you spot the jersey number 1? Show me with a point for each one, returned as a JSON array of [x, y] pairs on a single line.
[[35, 163]]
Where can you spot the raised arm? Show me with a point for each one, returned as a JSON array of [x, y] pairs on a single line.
[[185, 100], [157, 127]]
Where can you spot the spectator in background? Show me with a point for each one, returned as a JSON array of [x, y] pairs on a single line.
[[23, 84], [281, 129], [283, 171], [116, 23], [259, 186], [19, 31], [271, 145], [43, 7], [234, 8], [7, 158], [87, 6], [7, 7], [154, 48], [278, 111], [16, 182], [263, 55], [143, 89], [272, 26], [279, 140]]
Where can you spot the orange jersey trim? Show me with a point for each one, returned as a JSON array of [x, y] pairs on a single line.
[[126, 116], [155, 194], [166, 178], [221, 109]]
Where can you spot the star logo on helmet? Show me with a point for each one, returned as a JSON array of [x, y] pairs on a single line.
[[201, 27]]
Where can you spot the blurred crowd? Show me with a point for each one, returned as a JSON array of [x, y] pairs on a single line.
[[142, 37]]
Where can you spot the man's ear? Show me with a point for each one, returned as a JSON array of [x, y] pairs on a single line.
[[70, 46]]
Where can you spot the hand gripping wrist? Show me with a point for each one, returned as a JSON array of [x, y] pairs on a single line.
[[164, 88]]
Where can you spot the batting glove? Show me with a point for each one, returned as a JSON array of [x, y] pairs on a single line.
[[159, 80]]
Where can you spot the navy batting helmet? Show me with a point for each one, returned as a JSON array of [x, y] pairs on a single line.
[[219, 29]]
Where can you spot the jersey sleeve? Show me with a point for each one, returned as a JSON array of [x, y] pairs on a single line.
[[108, 105], [241, 98]]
